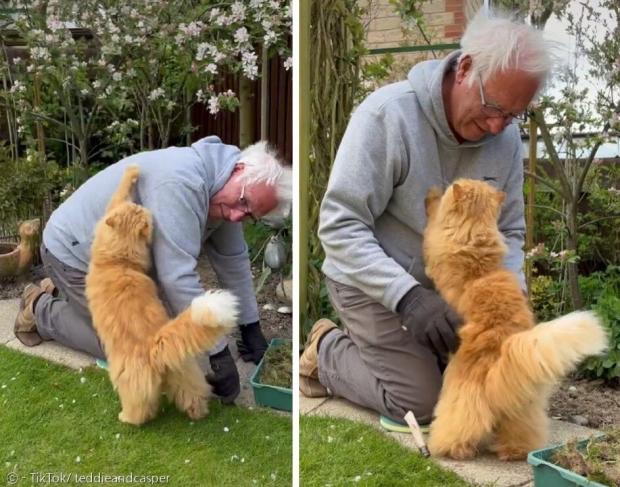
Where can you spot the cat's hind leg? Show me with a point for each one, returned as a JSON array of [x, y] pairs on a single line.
[[519, 434], [188, 389], [139, 390], [462, 421]]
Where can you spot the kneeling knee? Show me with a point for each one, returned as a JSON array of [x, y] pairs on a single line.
[[422, 406]]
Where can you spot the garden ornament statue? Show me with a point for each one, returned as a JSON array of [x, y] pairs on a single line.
[[275, 258], [16, 259]]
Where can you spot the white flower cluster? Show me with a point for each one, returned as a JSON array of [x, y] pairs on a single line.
[[40, 54], [535, 251], [216, 102], [248, 63], [156, 94], [193, 29]]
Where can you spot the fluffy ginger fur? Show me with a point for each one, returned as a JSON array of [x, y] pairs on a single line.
[[148, 354], [497, 385]]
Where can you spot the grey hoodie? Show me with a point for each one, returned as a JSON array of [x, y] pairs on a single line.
[[175, 184], [397, 145]]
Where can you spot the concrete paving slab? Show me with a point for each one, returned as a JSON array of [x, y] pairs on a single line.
[[55, 352], [8, 312], [309, 404], [485, 470], [52, 351]]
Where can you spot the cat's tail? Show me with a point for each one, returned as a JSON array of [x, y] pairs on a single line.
[[541, 356], [198, 328], [125, 187]]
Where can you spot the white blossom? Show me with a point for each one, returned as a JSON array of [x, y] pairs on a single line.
[[215, 12], [214, 105], [156, 93], [241, 35], [211, 68], [40, 53], [117, 76], [237, 10], [248, 60], [18, 87], [269, 38], [288, 63], [193, 29], [54, 24], [202, 50]]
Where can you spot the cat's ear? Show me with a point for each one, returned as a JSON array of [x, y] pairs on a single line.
[[500, 197], [457, 191], [144, 228], [112, 221]]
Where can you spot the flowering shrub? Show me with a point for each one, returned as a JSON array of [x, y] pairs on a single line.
[[130, 77]]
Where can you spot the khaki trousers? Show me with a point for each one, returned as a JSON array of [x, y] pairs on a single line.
[[374, 361]]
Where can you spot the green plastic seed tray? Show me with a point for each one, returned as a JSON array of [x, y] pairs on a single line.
[[268, 395], [547, 474]]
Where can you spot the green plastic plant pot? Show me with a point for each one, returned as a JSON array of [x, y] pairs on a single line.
[[547, 474], [267, 395]]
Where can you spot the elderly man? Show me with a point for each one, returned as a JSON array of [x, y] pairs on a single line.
[[451, 118], [198, 196]]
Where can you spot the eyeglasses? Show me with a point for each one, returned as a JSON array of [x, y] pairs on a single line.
[[245, 207], [493, 111]]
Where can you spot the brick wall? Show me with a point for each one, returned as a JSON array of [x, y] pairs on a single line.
[[444, 24]]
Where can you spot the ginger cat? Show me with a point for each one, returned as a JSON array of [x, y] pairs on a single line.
[[497, 385], [148, 353]]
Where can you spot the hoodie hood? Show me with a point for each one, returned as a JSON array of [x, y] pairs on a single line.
[[219, 161], [426, 79]]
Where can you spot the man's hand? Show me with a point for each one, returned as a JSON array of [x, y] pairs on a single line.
[[427, 316], [252, 345]]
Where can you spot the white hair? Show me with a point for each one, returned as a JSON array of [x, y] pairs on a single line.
[[497, 42], [263, 166]]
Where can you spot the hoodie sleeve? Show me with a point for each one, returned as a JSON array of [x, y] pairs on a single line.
[[368, 165], [512, 219], [228, 254], [178, 216]]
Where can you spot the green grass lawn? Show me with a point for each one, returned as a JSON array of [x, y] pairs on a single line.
[[57, 420], [336, 452]]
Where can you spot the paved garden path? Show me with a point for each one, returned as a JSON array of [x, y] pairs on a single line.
[[55, 352], [486, 470]]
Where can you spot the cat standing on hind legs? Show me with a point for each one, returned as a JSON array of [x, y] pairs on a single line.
[[148, 353], [497, 384]]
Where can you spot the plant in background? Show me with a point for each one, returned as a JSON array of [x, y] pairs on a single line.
[[602, 290], [141, 64], [337, 36], [24, 184], [271, 246], [100, 79], [578, 110]]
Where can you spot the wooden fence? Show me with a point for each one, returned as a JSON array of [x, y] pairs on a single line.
[[279, 116]]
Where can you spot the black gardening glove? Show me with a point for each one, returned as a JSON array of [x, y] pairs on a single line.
[[428, 317], [252, 345], [225, 377]]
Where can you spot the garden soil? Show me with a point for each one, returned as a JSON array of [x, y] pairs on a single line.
[[577, 400]]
